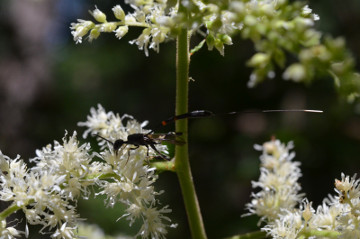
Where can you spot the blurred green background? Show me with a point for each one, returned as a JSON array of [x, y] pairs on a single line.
[[48, 84]]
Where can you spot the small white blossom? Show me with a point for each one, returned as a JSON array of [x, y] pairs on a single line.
[[143, 41], [348, 185], [64, 232], [121, 31], [306, 10], [8, 232], [80, 29]]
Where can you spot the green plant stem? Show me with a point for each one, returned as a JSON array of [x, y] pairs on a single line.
[[324, 233], [250, 235], [182, 164], [164, 166], [8, 211]]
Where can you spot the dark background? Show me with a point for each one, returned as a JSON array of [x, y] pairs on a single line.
[[48, 84]]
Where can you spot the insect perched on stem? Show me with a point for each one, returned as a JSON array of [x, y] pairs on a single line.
[[148, 140]]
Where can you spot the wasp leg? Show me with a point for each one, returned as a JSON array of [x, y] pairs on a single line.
[[136, 146], [118, 150], [163, 156]]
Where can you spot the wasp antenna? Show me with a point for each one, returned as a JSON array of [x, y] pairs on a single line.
[[98, 135]]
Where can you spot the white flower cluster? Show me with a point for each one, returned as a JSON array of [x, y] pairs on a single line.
[[276, 203], [154, 16], [161, 20], [47, 193], [133, 178]]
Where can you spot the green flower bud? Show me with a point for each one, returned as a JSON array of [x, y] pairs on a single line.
[[226, 39], [295, 72], [94, 34], [210, 41], [98, 15], [250, 20], [219, 45], [259, 60], [119, 13], [159, 37]]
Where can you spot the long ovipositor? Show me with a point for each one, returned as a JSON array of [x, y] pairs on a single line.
[[207, 113]]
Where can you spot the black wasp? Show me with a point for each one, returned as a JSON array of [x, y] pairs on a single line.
[[148, 140], [151, 139]]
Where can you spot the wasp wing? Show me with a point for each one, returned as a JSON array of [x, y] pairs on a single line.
[[171, 137]]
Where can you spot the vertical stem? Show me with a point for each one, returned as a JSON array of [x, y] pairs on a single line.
[[182, 164]]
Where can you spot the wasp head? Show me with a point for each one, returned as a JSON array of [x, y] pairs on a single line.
[[117, 145]]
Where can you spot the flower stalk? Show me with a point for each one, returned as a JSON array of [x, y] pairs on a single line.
[[182, 164], [250, 235], [8, 211]]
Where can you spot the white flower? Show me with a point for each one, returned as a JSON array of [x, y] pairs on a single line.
[[80, 29], [96, 122], [8, 232], [64, 232], [288, 226], [121, 31], [326, 215], [306, 10], [154, 227], [348, 187], [143, 41]]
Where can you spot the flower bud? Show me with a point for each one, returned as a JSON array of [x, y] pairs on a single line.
[[94, 34], [259, 60], [295, 72], [226, 39], [210, 41], [159, 37], [98, 15], [119, 13], [307, 213], [219, 45]]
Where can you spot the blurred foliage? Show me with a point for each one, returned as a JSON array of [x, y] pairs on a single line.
[[123, 80]]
